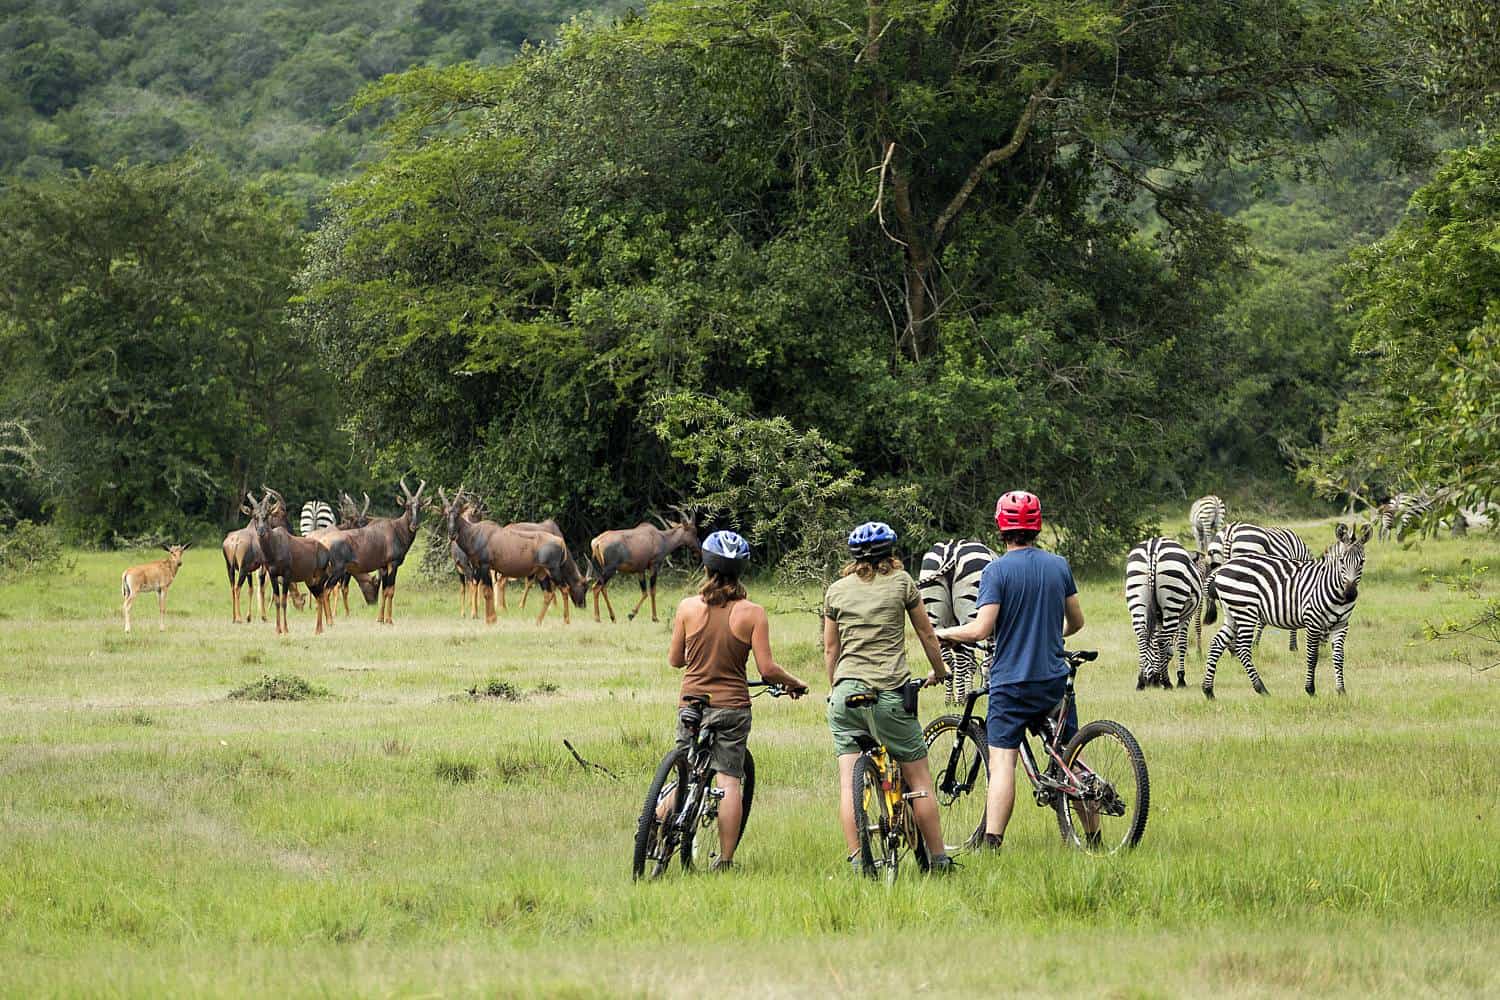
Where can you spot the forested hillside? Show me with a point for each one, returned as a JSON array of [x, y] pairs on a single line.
[[262, 85], [798, 261]]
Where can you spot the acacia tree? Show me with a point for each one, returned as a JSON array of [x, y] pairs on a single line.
[[709, 201], [988, 106]]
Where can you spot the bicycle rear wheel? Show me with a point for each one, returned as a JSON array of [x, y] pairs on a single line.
[[960, 763], [701, 847], [1110, 813], [872, 821], [655, 841]]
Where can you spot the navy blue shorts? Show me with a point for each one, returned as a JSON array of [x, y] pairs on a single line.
[[1015, 708]]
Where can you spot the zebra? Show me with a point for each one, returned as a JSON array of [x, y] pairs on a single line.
[[1163, 590], [1401, 511], [1241, 538], [1317, 595], [1206, 516], [949, 585], [316, 516]]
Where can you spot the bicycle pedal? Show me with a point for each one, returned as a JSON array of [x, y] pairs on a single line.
[[913, 795]]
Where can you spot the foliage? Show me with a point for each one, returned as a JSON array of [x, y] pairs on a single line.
[[701, 202], [278, 687], [791, 493], [1426, 410], [1455, 44], [143, 341], [496, 689], [1480, 625], [262, 85], [27, 548]]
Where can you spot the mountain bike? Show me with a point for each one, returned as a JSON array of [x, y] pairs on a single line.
[[687, 824], [1097, 783], [883, 816]]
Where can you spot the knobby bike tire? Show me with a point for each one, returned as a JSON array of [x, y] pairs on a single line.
[[747, 798], [973, 740], [1139, 806], [868, 808], [673, 768]]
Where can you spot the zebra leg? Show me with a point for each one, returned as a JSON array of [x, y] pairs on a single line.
[[1216, 648], [1143, 673], [1259, 628], [1292, 645], [1245, 649], [1314, 641], [1337, 641], [950, 683], [1182, 631]]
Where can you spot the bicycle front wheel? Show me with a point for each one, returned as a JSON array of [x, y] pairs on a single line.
[[701, 845], [872, 821], [655, 840], [960, 762], [1108, 813]]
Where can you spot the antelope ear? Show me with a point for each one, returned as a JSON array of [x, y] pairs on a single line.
[[166, 548], [185, 546]]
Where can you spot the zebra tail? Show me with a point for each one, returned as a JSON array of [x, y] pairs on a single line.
[[1153, 610], [1210, 609]]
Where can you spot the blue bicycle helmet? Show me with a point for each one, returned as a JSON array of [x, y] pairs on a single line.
[[872, 540], [726, 552]]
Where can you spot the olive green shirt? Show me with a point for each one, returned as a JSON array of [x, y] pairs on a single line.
[[871, 619]]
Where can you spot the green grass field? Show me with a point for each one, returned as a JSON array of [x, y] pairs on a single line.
[[157, 837]]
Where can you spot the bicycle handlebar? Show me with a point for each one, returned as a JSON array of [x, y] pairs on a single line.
[[772, 689], [1077, 656]]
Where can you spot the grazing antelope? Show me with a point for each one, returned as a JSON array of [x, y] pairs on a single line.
[[513, 552], [242, 561], [381, 547], [639, 550], [292, 559], [157, 576], [548, 527]]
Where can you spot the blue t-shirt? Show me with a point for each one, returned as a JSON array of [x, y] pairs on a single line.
[[1031, 587]]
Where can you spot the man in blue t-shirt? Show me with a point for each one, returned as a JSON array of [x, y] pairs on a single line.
[[1028, 603]]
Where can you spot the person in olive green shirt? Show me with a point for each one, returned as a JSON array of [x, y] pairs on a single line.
[[864, 647]]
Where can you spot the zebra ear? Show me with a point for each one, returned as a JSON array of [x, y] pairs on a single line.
[[1364, 534], [1341, 531]]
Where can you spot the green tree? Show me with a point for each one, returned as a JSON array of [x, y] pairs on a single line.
[[143, 341]]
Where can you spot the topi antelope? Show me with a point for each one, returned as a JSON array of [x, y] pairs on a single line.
[[639, 550], [513, 552], [547, 527], [157, 576], [243, 562], [381, 547], [351, 516], [293, 559]]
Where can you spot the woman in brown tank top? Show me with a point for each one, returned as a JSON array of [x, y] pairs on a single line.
[[713, 633]]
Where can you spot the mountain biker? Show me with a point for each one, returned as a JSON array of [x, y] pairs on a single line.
[[713, 632], [1027, 603], [864, 648]]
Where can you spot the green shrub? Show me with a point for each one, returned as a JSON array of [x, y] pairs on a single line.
[[502, 690], [27, 548], [456, 770], [281, 687]]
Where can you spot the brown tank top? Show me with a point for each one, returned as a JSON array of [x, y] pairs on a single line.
[[716, 663]]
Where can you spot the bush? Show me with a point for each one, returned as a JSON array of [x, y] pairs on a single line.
[[502, 690], [455, 770], [281, 687], [27, 548]]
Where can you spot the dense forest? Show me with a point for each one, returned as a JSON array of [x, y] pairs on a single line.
[[795, 262]]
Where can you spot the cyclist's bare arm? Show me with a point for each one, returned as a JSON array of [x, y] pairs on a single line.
[[1072, 616], [981, 628], [765, 663], [677, 648], [923, 626], [831, 648]]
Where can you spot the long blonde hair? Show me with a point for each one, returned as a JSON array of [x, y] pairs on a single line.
[[866, 570]]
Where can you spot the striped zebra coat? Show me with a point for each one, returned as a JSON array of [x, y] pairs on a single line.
[[1163, 590], [1402, 511], [949, 586], [1317, 595], [317, 515], [1207, 516], [1241, 538]]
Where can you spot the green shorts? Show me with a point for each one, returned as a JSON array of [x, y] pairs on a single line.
[[731, 734], [886, 721]]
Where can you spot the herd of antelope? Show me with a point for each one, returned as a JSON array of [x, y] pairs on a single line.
[[371, 550]]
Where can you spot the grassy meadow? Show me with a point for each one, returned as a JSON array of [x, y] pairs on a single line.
[[400, 837]]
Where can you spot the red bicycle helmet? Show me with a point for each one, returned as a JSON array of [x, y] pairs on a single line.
[[1018, 511]]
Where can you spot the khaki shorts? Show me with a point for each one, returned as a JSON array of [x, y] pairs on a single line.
[[887, 721], [732, 729]]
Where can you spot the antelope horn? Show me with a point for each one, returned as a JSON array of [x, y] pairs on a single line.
[[443, 495], [366, 509]]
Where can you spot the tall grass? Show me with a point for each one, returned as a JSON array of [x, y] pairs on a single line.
[[401, 836]]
